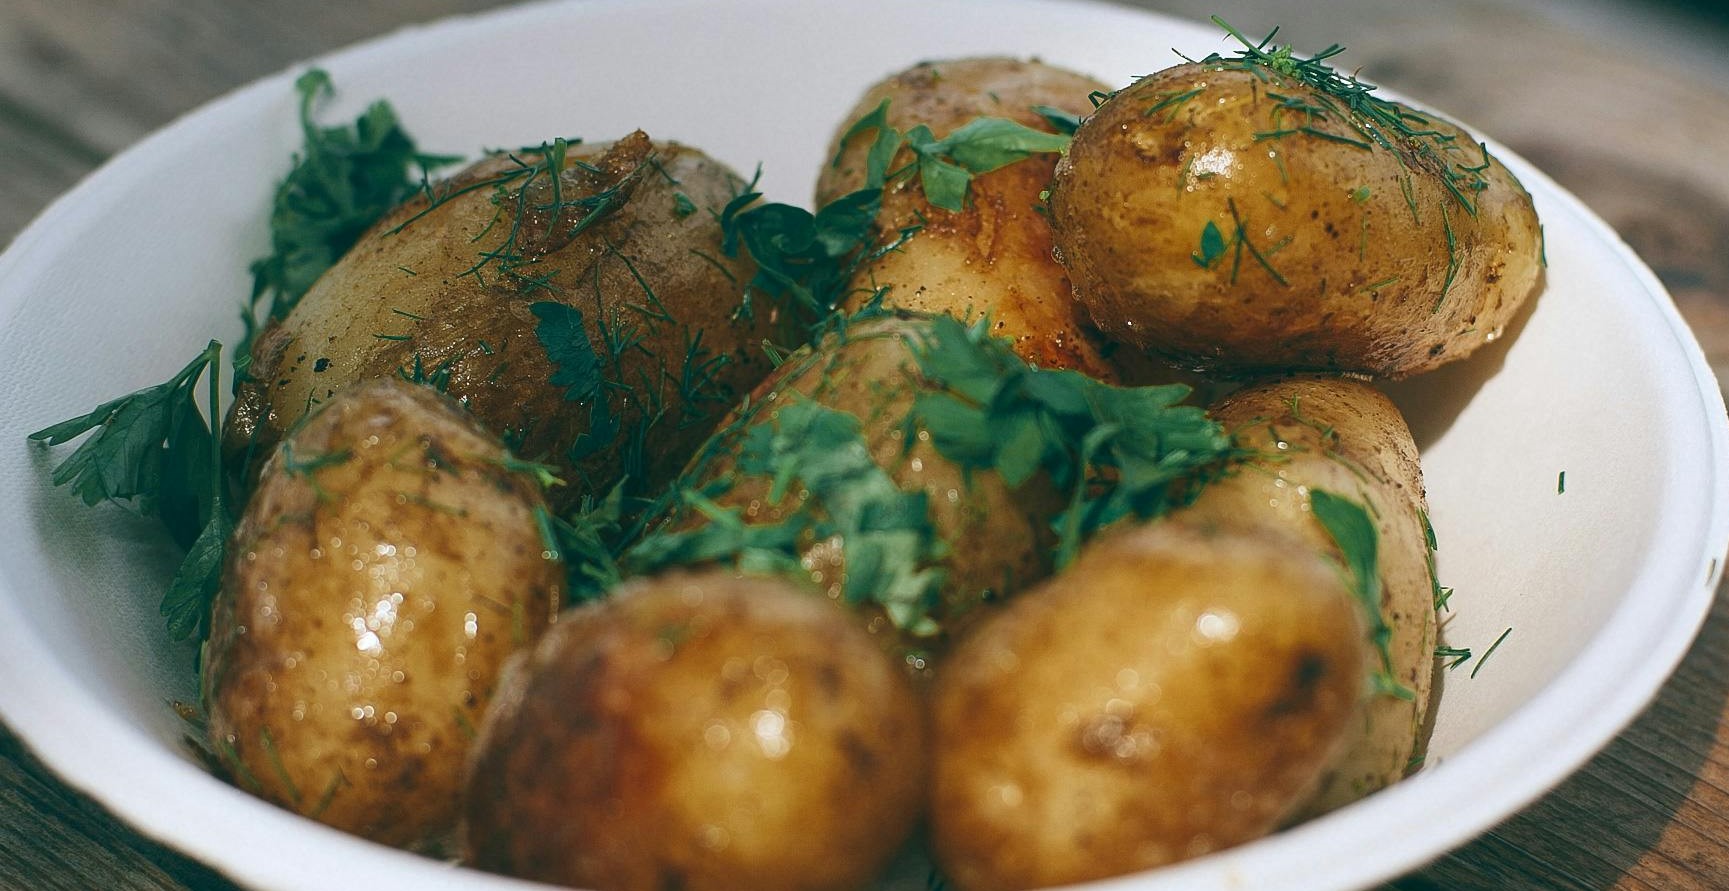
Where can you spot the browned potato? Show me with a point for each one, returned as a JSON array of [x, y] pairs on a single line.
[[1346, 438], [386, 566], [978, 539], [1238, 219], [704, 732], [994, 256], [449, 294], [1175, 691]]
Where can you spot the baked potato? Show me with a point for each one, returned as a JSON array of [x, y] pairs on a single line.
[[590, 319], [1177, 690], [1343, 437], [993, 256], [700, 731], [388, 563], [1262, 213]]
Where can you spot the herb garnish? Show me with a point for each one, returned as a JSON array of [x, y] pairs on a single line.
[[154, 449], [1353, 531], [1115, 451], [946, 166], [342, 181], [1378, 121]]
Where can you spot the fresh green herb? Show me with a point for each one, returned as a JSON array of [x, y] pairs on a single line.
[[1491, 651], [682, 206], [1212, 246], [340, 183], [805, 261], [892, 550], [1060, 121], [154, 449], [1442, 594], [1456, 656], [1117, 451], [1353, 532], [1171, 103], [1561, 483], [1379, 122], [946, 166]]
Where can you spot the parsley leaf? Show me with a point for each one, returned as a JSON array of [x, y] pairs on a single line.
[[805, 260], [341, 182], [1349, 525], [1117, 451], [151, 447], [946, 166], [154, 448]]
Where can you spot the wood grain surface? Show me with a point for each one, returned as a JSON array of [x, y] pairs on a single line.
[[1624, 102]]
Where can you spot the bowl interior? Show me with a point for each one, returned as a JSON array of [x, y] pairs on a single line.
[[1602, 579]]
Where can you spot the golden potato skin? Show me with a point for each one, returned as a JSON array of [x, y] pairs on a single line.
[[999, 539], [406, 300], [699, 731], [1345, 437], [1175, 691], [385, 568], [993, 257], [1333, 253]]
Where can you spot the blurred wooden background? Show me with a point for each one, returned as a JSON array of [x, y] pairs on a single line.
[[1625, 102]]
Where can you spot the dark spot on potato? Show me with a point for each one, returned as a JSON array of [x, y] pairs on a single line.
[[671, 879], [858, 755], [320, 365], [1306, 672]]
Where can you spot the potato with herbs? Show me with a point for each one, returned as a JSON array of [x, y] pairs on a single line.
[[1175, 691], [590, 318], [914, 468], [1264, 213], [1314, 442], [989, 254], [388, 563], [699, 731], [847, 498]]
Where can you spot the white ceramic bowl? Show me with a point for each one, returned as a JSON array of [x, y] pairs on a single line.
[[123, 279]]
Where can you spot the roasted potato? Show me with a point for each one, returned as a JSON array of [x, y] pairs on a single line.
[[705, 732], [1239, 216], [618, 261], [388, 563], [993, 257], [1177, 690], [834, 430], [1345, 438]]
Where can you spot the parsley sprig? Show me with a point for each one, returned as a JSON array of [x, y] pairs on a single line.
[[154, 451], [946, 167], [341, 182], [1117, 451]]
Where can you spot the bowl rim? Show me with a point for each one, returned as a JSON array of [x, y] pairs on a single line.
[[147, 785]]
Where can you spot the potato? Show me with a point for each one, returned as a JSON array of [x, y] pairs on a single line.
[[1238, 219], [449, 293], [993, 257], [704, 732], [1346, 438], [388, 563], [1175, 691], [973, 538]]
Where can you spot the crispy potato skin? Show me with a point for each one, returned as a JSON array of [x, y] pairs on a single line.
[[385, 568], [1344, 437], [1343, 257], [994, 257], [704, 732], [1000, 539], [399, 298], [1175, 691]]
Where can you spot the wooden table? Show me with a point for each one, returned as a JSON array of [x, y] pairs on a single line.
[[1626, 102]]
